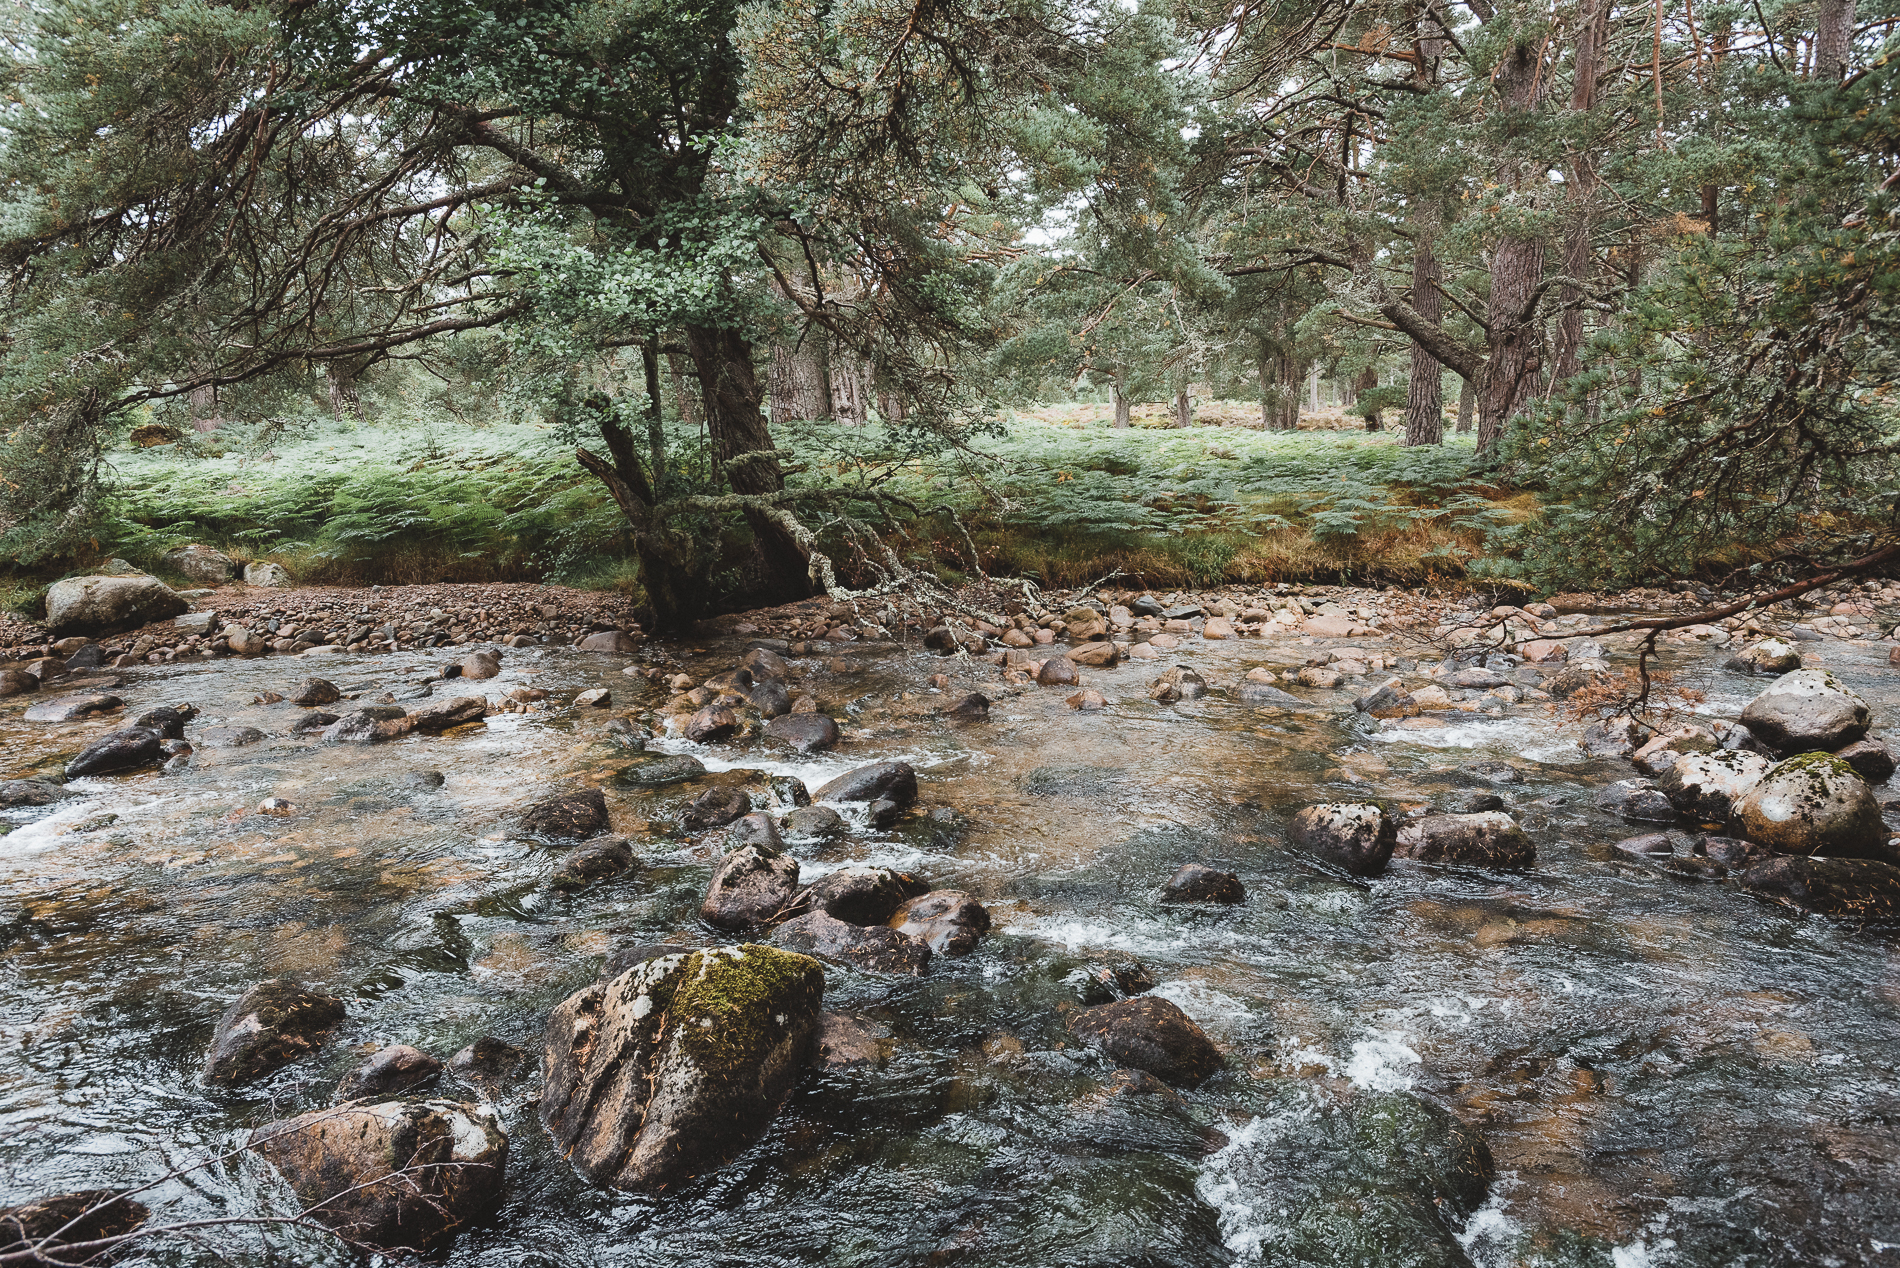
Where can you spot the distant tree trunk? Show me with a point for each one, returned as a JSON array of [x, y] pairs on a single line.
[[1833, 38], [1367, 380], [1466, 399], [1184, 406], [1517, 267], [1270, 406], [1712, 194], [800, 381], [1593, 18], [1121, 400], [340, 378], [1425, 393], [685, 394], [850, 399], [1312, 391], [656, 414], [202, 408]]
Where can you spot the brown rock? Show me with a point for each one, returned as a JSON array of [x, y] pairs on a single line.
[[950, 921], [1151, 1034], [1058, 671]]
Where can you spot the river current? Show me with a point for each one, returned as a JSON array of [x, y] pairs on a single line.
[[1665, 1071]]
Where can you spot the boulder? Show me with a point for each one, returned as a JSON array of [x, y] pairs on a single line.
[[1871, 759], [199, 564], [168, 720], [804, 732], [126, 749], [367, 726], [442, 715], [1198, 883], [1846, 889], [661, 771], [1357, 836], [571, 816], [609, 857], [1638, 800], [1806, 710], [754, 884], [1389, 699], [814, 821], [1058, 671], [72, 708], [1574, 677], [109, 605], [314, 691], [876, 948], [789, 790], [314, 721], [1475, 679], [1111, 975], [1150, 1034], [864, 895], [388, 1072], [270, 1025], [681, 1062], [770, 697], [880, 781], [243, 642], [711, 724], [1770, 656], [615, 642], [391, 1175], [1487, 839], [17, 682], [1542, 651], [715, 808], [30, 792], [275, 576], [1095, 655], [1706, 786], [67, 1219], [974, 707], [765, 664], [1084, 625], [1812, 804], [949, 920]]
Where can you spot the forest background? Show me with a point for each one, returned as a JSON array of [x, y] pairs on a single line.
[[722, 303]]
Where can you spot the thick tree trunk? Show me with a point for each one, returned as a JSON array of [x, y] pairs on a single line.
[[655, 411], [340, 380], [1269, 393], [1515, 338], [1367, 380], [1833, 38], [736, 425], [1184, 406], [1593, 18], [1466, 399], [1425, 396], [800, 380], [1121, 401], [201, 405], [850, 395]]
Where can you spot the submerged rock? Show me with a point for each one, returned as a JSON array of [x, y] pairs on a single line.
[[572, 816], [489, 1064], [1357, 836], [229, 736], [675, 1066], [1638, 800], [1846, 889], [388, 1072], [609, 857], [366, 726], [875, 948], [1488, 839], [72, 708], [814, 821], [1706, 786], [661, 771], [1199, 883], [315, 720], [1812, 804], [393, 1175], [949, 920], [1804, 710], [168, 720], [880, 781], [754, 885], [270, 1025], [127, 749], [68, 1219], [1151, 1034], [711, 724]]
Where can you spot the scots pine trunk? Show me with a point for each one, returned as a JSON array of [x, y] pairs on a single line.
[[1367, 380], [1183, 407], [1121, 401], [800, 380], [345, 399], [1466, 399], [1425, 396], [1593, 17], [1515, 339], [685, 393], [1833, 38]]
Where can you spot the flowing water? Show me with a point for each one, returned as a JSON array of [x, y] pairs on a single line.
[[1665, 1071]]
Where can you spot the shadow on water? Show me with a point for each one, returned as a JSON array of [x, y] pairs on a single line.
[[1654, 1071]]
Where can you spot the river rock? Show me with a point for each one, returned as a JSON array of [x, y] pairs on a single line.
[[68, 1219], [1871, 759], [1151, 1034], [392, 1175], [199, 564], [168, 720], [876, 949], [17, 682], [1475, 679], [571, 816], [1095, 655], [270, 1025], [489, 1064], [1574, 677], [880, 781], [388, 1072], [1705, 786], [126, 749], [1770, 656], [264, 573], [314, 721], [765, 664], [754, 884], [615, 642], [1636, 799], [715, 808], [1058, 671], [864, 895], [1112, 975], [1390, 699], [314, 691], [597, 861], [365, 726], [814, 821], [480, 665], [1846, 889], [949, 920], [1812, 804], [711, 724], [30, 792], [229, 736], [72, 708], [675, 1066], [974, 707], [443, 715], [1357, 836], [1487, 839], [663, 770], [1198, 883], [1806, 710], [770, 698], [757, 829], [1084, 625], [789, 790], [804, 732], [109, 605]]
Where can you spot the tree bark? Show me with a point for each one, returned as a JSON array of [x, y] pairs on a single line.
[[1367, 380], [1184, 406], [850, 399], [1425, 396], [800, 380], [656, 415], [1121, 400], [1515, 339], [1466, 399], [201, 406], [1833, 38], [1593, 18], [345, 399], [685, 394]]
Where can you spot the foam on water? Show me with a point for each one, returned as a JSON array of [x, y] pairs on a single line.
[[1226, 1183], [1491, 1236], [1140, 937], [1534, 739]]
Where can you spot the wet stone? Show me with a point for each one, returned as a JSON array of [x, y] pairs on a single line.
[[268, 1027], [1358, 837], [948, 920], [1110, 976], [1871, 759], [72, 708], [875, 949], [814, 821], [1638, 800], [753, 885], [789, 790], [312, 722], [67, 1219], [804, 732], [571, 816], [1198, 883], [593, 862], [892, 781], [388, 1072], [490, 1064], [1150, 1034], [1488, 839], [864, 895], [423, 780], [116, 751], [1845, 889], [229, 736], [30, 792], [314, 691], [661, 771], [168, 720], [715, 808], [444, 715]]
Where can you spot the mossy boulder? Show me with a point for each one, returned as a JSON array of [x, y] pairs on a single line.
[[1806, 710], [1812, 804], [677, 1065], [1706, 786]]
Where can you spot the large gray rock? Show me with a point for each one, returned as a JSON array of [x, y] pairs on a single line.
[[1806, 710], [1638, 800], [754, 884], [675, 1066], [617, 642], [1847, 889], [441, 715], [266, 574], [1706, 786], [109, 605], [392, 1175], [199, 564], [72, 708], [1488, 839], [269, 1026], [1812, 804], [874, 948], [1770, 656], [387, 1072], [30, 792], [880, 781], [1354, 835], [804, 732]]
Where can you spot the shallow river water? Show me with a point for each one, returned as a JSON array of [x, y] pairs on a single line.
[[1664, 1071]]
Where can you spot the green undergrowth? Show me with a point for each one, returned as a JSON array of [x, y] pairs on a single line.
[[415, 502]]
